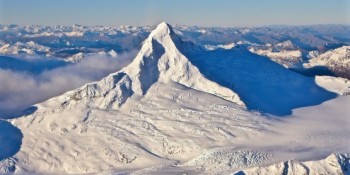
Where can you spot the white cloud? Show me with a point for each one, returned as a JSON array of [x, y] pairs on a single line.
[[19, 90]]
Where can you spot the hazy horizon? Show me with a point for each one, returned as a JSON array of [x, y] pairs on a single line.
[[269, 25], [206, 13]]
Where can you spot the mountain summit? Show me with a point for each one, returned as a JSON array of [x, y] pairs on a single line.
[[161, 59]]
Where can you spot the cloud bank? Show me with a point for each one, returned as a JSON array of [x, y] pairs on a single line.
[[21, 89]]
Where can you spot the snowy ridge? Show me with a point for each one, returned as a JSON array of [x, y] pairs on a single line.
[[80, 56], [29, 48], [286, 45], [284, 53], [76, 57], [220, 46], [337, 61]]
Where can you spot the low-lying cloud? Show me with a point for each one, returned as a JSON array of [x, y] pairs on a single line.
[[21, 89]]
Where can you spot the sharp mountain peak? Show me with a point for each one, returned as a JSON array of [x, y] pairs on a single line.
[[161, 59]]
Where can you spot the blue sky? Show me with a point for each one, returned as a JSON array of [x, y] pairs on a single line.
[[187, 12]]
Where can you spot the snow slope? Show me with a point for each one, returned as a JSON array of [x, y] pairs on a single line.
[[333, 164], [311, 133], [338, 85]]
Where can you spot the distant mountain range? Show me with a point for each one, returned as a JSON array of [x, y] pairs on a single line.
[[290, 46], [67, 40]]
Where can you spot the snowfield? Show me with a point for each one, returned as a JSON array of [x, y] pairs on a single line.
[[180, 109]]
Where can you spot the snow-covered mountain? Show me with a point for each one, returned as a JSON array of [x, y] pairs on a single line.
[[160, 66], [220, 46], [285, 53], [29, 48], [80, 56], [158, 60], [68, 41], [334, 62], [65, 41], [337, 61], [175, 105]]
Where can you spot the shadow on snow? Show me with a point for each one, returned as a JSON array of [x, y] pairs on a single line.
[[10, 140], [262, 84]]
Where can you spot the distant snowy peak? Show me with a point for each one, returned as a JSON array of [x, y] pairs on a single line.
[[76, 57], [112, 53], [220, 46], [159, 60], [341, 54], [284, 53], [29, 48], [337, 61], [313, 54], [286, 45], [80, 56]]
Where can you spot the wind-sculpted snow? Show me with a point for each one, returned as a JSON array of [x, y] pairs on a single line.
[[333, 164], [223, 160], [145, 131]]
